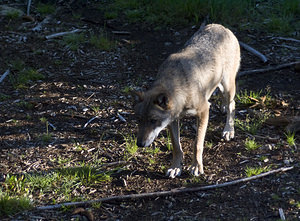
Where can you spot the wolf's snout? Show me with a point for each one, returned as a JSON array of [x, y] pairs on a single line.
[[140, 143]]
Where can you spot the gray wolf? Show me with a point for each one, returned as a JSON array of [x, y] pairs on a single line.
[[186, 81]]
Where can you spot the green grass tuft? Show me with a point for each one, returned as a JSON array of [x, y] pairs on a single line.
[[290, 138], [130, 146], [253, 171], [276, 16], [25, 76], [101, 42], [12, 205], [45, 9], [73, 41], [250, 144]]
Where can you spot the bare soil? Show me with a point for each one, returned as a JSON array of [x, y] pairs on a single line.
[[76, 81]]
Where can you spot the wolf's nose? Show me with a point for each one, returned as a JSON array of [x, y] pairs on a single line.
[[139, 143]]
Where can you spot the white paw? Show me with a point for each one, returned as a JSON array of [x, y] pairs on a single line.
[[196, 170], [173, 172], [228, 134]]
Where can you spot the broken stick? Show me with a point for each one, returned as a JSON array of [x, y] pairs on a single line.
[[278, 67], [56, 35], [4, 75], [163, 193], [253, 51]]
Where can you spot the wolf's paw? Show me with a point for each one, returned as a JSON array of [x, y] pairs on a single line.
[[228, 134], [173, 172], [196, 169]]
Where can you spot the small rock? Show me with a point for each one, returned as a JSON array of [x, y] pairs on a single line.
[[167, 44]]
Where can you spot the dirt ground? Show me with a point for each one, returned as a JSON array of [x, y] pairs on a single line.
[[76, 81]]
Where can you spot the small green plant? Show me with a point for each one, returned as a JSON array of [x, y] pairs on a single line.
[[264, 159], [111, 14], [168, 141], [73, 41], [14, 183], [101, 42], [45, 9], [130, 146], [127, 89], [251, 125], [248, 97], [25, 105], [4, 97], [250, 144], [47, 136], [290, 138], [22, 75], [193, 181], [275, 197], [97, 205], [253, 171], [12, 205], [76, 16], [209, 144], [13, 14], [96, 109], [151, 161], [152, 151]]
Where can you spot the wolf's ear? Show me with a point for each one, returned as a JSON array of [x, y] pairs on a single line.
[[162, 100], [137, 96]]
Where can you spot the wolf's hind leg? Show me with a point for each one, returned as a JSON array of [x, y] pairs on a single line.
[[229, 93]]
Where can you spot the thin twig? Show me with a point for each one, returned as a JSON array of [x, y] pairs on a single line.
[[281, 66], [281, 214], [28, 7], [164, 193], [56, 35], [114, 163], [253, 51], [4, 75], [51, 125], [89, 121], [121, 117]]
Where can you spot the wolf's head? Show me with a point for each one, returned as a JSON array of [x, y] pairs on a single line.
[[153, 114]]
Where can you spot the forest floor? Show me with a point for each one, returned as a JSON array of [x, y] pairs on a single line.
[[55, 87]]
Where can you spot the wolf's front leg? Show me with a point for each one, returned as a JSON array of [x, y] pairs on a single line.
[[202, 120], [176, 166]]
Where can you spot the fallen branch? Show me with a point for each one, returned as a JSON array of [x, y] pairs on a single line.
[[253, 51], [288, 39], [4, 75], [56, 35], [278, 67], [163, 193], [121, 32]]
